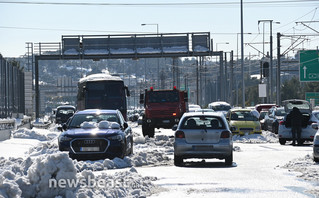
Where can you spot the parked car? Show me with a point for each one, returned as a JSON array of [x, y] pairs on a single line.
[[96, 134], [260, 107], [203, 135], [309, 123], [316, 147], [220, 106], [204, 110], [63, 113], [243, 122], [273, 117], [193, 107], [261, 118]]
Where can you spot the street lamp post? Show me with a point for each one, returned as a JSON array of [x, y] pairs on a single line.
[[237, 64], [158, 70], [271, 56]]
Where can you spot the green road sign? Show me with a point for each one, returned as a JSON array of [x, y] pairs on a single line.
[[309, 65], [313, 95]]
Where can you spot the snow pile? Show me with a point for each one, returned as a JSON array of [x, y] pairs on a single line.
[[308, 168], [39, 134], [265, 137], [56, 175], [121, 184], [44, 148], [154, 158]]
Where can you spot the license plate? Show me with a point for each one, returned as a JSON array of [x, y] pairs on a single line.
[[166, 121], [203, 148], [89, 149]]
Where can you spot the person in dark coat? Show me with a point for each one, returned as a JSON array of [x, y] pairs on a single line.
[[296, 122]]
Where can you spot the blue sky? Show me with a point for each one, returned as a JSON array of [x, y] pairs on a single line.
[[21, 23]]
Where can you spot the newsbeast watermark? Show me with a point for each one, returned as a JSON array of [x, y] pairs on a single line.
[[90, 182]]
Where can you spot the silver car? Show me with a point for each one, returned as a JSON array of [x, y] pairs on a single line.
[[203, 135], [309, 123], [316, 147]]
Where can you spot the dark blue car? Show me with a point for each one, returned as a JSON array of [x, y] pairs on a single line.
[[96, 134]]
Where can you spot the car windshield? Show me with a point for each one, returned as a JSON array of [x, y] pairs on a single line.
[[221, 108], [203, 122], [316, 115], [243, 116], [280, 112], [78, 119], [65, 111], [262, 115], [163, 96]]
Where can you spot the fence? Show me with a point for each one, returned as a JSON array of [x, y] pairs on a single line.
[[11, 88]]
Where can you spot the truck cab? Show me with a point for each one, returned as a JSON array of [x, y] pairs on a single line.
[[163, 109]]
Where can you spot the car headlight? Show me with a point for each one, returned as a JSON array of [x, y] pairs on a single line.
[[65, 138], [116, 137]]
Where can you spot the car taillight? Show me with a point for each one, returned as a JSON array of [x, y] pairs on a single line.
[[179, 134], [311, 122], [225, 134], [282, 122]]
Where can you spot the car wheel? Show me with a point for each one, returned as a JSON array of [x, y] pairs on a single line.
[[151, 132], [131, 151], [229, 160], [145, 129], [282, 141], [315, 159], [178, 161]]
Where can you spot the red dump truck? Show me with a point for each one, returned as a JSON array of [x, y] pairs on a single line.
[[163, 108]]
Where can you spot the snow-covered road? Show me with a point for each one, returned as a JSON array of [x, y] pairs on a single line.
[[261, 168]]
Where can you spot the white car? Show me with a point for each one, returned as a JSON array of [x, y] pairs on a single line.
[[309, 123], [193, 107]]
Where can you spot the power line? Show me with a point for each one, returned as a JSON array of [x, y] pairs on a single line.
[[154, 4]]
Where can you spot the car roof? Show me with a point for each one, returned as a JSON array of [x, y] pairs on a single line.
[[232, 110], [200, 113], [66, 106], [96, 111]]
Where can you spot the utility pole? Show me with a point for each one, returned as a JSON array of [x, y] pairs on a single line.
[[231, 76], [278, 102], [242, 51]]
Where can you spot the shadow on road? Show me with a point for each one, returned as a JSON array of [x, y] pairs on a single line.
[[205, 164]]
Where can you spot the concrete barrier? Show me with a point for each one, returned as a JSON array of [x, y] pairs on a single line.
[[6, 128]]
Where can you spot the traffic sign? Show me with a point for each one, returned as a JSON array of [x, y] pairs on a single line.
[[309, 65], [312, 95]]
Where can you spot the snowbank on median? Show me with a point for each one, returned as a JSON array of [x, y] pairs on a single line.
[[265, 137]]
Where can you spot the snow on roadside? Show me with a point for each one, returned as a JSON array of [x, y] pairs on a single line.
[[39, 134], [56, 175], [265, 137], [308, 169]]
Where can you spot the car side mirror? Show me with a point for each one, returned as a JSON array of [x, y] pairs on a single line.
[[125, 125], [315, 126], [174, 127], [232, 128]]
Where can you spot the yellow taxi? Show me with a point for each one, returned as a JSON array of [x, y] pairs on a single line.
[[243, 122]]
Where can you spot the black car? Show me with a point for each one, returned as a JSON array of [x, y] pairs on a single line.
[[96, 134], [63, 113], [273, 118]]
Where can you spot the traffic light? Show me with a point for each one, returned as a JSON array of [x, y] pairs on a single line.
[[265, 69]]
